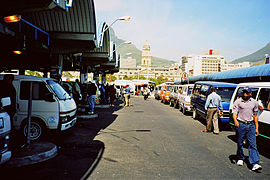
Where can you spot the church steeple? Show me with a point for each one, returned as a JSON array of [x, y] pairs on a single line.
[[146, 57]]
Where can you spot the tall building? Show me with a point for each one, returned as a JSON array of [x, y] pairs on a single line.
[[209, 62], [146, 57], [128, 67]]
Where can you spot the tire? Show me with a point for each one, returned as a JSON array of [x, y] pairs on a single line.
[[175, 105], [171, 104], [180, 108], [184, 111], [194, 114], [37, 130]]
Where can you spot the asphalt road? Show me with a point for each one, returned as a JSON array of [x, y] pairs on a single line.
[[148, 140]]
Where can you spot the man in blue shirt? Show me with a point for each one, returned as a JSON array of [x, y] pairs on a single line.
[[212, 105]]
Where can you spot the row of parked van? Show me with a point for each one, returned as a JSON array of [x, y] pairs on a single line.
[[52, 109], [192, 98]]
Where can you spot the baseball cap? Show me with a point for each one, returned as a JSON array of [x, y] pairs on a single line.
[[247, 89]]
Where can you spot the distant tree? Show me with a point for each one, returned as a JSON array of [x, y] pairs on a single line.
[[67, 74], [33, 73]]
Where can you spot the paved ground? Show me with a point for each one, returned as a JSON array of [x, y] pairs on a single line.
[[147, 140]]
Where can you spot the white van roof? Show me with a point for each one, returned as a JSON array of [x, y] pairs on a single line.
[[26, 77], [255, 84]]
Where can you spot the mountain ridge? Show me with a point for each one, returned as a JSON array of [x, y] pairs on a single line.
[[256, 57]]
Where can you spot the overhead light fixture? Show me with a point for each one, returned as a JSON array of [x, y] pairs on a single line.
[[125, 18], [13, 18], [17, 52]]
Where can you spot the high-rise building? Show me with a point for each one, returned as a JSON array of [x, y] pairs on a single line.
[[209, 62]]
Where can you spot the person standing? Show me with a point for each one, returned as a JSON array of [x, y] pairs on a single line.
[[112, 92], [127, 96], [245, 110], [213, 107], [92, 89]]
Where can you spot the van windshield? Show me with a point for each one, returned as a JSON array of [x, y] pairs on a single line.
[[190, 90], [225, 93], [169, 88], [59, 91]]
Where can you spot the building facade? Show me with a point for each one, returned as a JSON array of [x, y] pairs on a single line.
[[230, 66], [208, 62], [128, 67]]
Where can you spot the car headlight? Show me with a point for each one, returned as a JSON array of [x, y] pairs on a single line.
[[64, 119]]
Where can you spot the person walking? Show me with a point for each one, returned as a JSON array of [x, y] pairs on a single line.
[[92, 89], [213, 107], [127, 96], [112, 92], [245, 110]]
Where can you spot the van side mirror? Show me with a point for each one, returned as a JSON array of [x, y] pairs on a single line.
[[5, 101], [49, 97]]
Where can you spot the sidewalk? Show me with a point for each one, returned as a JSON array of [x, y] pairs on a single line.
[[36, 153]]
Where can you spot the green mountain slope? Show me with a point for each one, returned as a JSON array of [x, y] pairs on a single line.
[[256, 56], [132, 51]]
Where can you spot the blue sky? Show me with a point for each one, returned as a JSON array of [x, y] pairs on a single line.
[[175, 28]]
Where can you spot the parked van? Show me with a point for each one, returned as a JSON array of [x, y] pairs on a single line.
[[52, 107], [5, 128], [174, 95], [200, 93], [165, 93], [184, 99], [261, 93]]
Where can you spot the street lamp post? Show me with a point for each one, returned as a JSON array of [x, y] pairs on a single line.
[[126, 42], [125, 18]]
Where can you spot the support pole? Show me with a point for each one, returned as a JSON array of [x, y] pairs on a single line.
[[29, 113]]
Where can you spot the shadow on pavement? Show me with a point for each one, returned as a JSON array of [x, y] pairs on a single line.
[[263, 145], [79, 153]]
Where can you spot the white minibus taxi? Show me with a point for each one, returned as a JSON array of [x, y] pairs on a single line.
[[261, 93], [52, 107]]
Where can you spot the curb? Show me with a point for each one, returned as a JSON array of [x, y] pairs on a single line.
[[92, 116], [38, 152], [102, 106]]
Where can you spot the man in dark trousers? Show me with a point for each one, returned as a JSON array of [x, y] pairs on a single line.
[[213, 106], [245, 110], [91, 90]]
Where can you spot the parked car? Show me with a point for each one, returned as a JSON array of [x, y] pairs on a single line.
[[184, 99], [165, 93], [52, 107], [261, 93], [174, 95], [5, 128], [200, 93]]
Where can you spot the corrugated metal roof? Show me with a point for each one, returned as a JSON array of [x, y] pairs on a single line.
[[80, 18]]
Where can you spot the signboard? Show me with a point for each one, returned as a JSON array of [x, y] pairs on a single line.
[[184, 75]]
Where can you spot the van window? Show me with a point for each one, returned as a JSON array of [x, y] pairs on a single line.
[[225, 93], [197, 89], [168, 88], [240, 93], [203, 91], [39, 90], [264, 98], [58, 89], [189, 90]]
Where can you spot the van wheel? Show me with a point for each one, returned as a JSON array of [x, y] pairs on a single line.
[[171, 104], [184, 111], [37, 130], [194, 114], [175, 105]]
